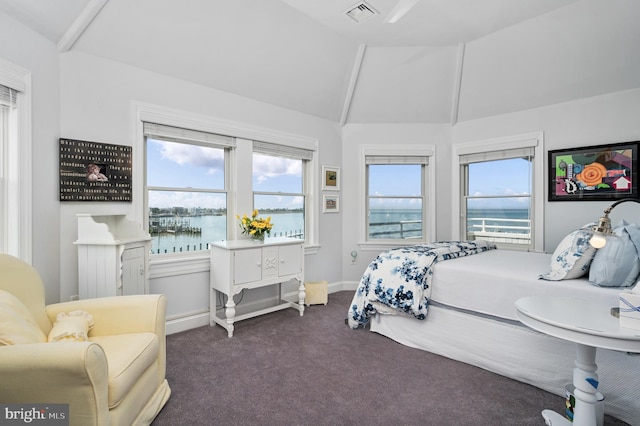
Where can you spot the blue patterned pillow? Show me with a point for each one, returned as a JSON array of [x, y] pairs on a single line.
[[572, 257]]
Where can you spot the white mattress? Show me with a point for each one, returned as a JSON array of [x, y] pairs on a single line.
[[500, 277]]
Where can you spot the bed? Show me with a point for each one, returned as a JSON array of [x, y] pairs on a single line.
[[470, 317]]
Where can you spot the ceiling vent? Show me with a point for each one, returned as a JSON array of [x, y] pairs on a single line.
[[361, 11]]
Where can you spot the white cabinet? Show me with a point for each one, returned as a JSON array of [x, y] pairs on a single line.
[[113, 256], [244, 264]]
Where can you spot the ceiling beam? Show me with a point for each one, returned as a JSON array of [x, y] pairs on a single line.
[[81, 23], [352, 83], [400, 10], [457, 84]]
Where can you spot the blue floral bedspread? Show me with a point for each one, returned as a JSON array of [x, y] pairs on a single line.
[[400, 278]]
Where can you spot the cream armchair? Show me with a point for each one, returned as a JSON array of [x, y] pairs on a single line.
[[116, 377]]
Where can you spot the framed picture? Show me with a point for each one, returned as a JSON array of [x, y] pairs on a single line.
[[594, 173], [330, 178], [94, 171], [330, 203]]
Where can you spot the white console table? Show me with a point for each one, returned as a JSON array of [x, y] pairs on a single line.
[[590, 325], [244, 264]]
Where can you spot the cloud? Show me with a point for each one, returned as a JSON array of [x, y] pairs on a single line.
[[267, 166], [211, 159]]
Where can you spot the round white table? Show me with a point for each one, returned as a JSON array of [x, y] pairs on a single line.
[[590, 325]]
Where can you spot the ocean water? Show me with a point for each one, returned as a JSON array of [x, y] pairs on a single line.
[[384, 224], [509, 217], [395, 224], [214, 229], [387, 223]]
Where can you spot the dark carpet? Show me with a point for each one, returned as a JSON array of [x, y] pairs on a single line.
[[283, 369]]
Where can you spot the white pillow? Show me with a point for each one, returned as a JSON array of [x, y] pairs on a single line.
[[17, 325], [71, 327], [617, 263], [572, 257]]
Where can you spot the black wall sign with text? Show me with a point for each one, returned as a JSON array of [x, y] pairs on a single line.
[[94, 171]]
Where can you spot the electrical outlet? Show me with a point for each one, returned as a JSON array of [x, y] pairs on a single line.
[[75, 297]]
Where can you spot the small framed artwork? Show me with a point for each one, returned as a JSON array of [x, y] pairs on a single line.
[[330, 178], [594, 173], [330, 203]]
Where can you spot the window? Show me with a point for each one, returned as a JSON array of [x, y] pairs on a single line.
[[195, 170], [497, 198], [279, 186], [498, 195], [8, 112], [396, 207], [186, 188], [15, 161]]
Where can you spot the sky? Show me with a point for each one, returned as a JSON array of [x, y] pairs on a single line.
[[502, 177], [189, 166], [180, 165]]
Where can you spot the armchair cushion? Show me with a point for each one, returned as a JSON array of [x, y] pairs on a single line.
[[17, 324], [128, 356]]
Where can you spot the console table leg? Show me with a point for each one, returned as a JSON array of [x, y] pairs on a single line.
[[301, 296], [585, 379], [230, 313]]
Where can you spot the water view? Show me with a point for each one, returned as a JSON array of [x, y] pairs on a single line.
[[191, 233], [173, 234]]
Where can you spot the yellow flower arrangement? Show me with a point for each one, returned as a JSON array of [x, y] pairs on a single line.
[[254, 226]]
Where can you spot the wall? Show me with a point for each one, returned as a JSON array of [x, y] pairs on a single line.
[[36, 54], [599, 120], [356, 135], [594, 121], [97, 104]]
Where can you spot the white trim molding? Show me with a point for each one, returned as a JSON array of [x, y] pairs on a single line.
[[15, 190]]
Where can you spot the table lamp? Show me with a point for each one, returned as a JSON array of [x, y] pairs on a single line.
[[629, 304], [603, 228]]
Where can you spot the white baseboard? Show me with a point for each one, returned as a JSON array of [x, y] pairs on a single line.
[[187, 323], [343, 286]]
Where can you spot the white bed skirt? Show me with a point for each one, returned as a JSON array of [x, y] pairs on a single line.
[[517, 352]]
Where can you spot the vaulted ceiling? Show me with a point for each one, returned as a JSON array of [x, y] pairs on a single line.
[[442, 61]]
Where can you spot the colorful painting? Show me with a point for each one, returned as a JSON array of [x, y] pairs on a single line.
[[605, 172]]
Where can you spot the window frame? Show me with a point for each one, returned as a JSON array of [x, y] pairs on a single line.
[[15, 192], [225, 190], [529, 140], [239, 195], [304, 176], [428, 184]]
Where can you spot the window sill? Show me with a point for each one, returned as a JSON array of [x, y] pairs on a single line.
[[388, 245]]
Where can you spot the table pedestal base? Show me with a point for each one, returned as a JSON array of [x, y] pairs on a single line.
[[551, 418], [585, 380]]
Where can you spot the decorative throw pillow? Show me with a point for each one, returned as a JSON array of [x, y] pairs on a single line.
[[71, 327], [17, 325], [617, 264], [572, 257]]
